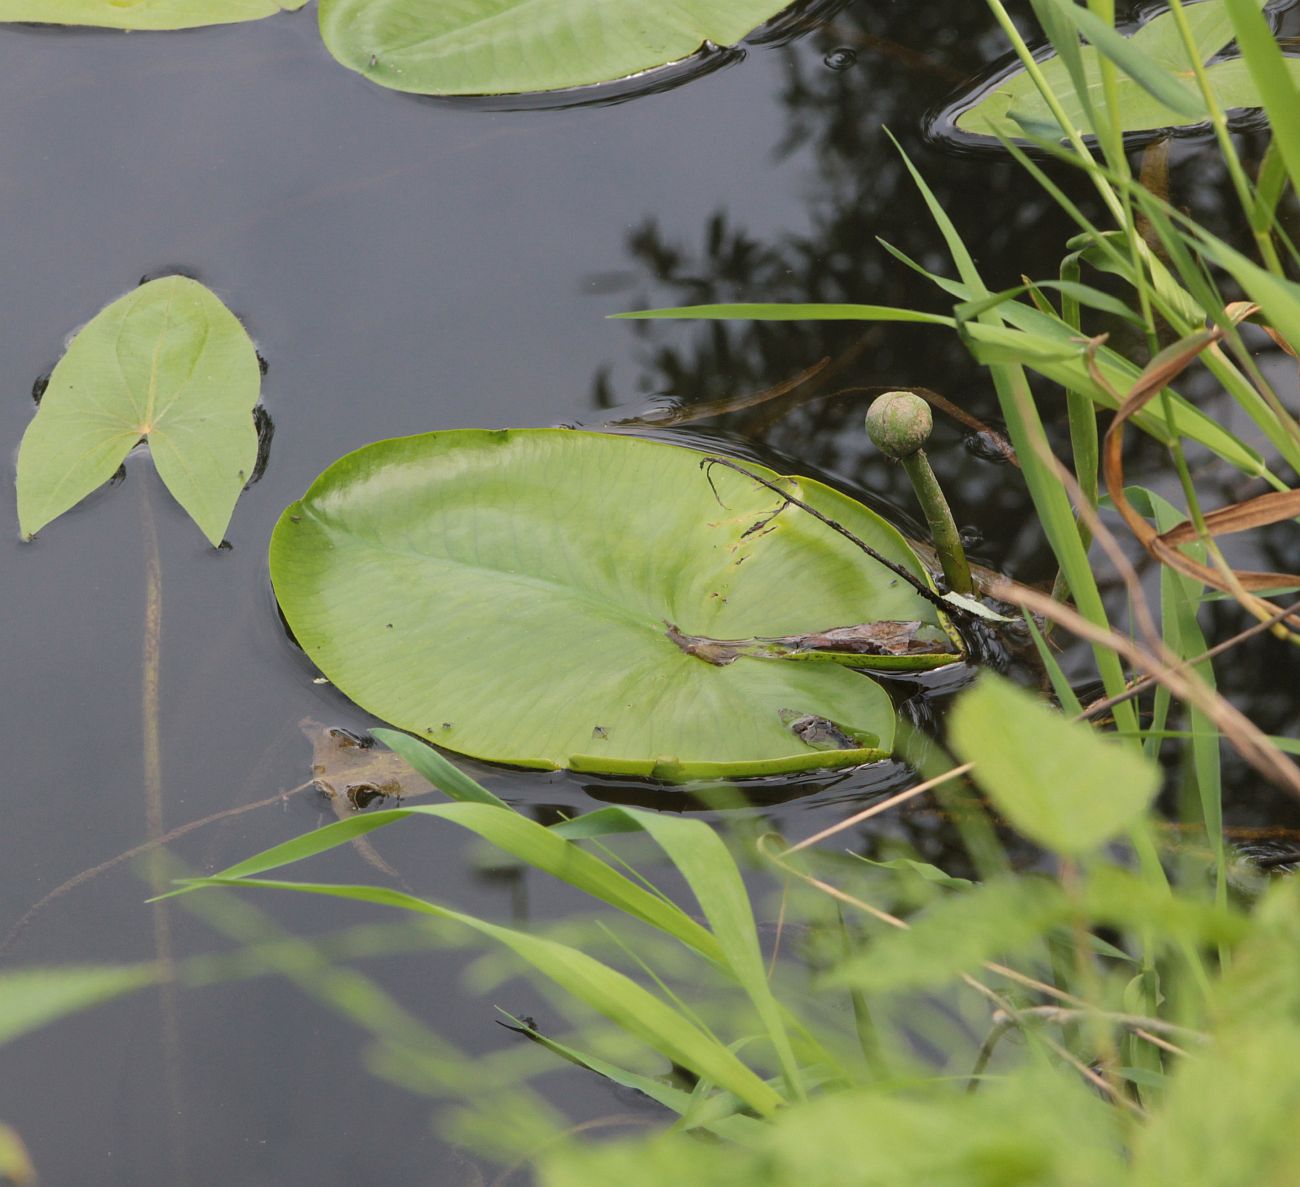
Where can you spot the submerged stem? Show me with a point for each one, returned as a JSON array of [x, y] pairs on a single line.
[[151, 747]]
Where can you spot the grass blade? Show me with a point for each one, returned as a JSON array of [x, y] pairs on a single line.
[[611, 993], [709, 869], [780, 312], [522, 838], [437, 769]]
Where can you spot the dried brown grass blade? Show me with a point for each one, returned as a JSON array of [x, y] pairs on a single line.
[[1239, 311], [1158, 374], [1258, 512]]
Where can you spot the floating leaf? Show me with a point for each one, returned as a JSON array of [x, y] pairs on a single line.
[[526, 596], [1011, 102], [1056, 781], [168, 364], [143, 14], [499, 47]]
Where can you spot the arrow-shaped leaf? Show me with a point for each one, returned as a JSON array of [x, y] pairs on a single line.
[[168, 364]]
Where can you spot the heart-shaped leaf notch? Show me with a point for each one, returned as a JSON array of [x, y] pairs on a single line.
[[167, 364], [559, 599]]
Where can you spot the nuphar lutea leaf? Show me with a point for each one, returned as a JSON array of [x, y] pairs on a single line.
[[142, 14], [168, 364], [1011, 104], [501, 47], [554, 599]]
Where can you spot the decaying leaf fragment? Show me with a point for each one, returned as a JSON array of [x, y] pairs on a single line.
[[1163, 547], [859, 646], [353, 773], [823, 734]]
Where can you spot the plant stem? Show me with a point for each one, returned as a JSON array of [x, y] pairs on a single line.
[[150, 678], [943, 529], [898, 424]]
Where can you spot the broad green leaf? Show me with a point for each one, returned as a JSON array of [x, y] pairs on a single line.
[[1229, 1114], [143, 14], [1039, 1128], [168, 364], [32, 997], [956, 935], [551, 598], [1275, 76], [1160, 80], [498, 47], [1154, 53], [1059, 783]]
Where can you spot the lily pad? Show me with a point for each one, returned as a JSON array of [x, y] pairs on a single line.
[[507, 47], [551, 598], [168, 364], [1010, 102], [142, 14]]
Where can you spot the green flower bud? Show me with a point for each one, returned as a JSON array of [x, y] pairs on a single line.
[[899, 423]]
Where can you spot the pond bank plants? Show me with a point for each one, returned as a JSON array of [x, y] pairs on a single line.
[[1116, 1004], [1127, 1013]]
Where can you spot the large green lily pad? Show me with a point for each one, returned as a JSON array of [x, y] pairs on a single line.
[[142, 14], [1015, 102], [499, 47], [167, 364], [551, 598]]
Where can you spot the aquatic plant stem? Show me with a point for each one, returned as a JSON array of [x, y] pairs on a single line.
[[150, 680], [898, 423], [943, 531], [136, 851]]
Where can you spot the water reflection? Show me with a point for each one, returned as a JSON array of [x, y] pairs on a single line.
[[864, 69]]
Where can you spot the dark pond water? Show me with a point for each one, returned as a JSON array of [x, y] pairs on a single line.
[[407, 266]]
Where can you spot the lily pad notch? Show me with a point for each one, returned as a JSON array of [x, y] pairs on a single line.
[[557, 599], [167, 365]]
